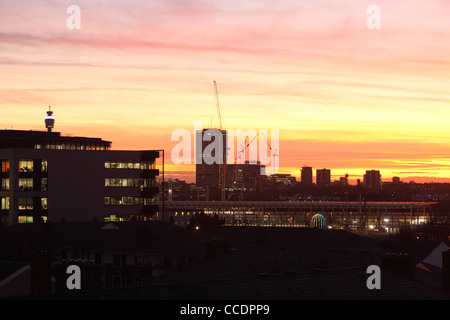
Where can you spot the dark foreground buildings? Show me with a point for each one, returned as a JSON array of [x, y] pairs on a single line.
[[46, 176], [158, 261]]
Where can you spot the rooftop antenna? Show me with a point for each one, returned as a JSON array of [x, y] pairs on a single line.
[[49, 120]]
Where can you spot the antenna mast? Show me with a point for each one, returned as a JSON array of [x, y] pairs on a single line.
[[49, 120]]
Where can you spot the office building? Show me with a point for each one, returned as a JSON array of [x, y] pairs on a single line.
[[49, 177], [280, 181], [323, 177], [372, 180], [307, 176], [244, 177], [210, 170], [396, 180]]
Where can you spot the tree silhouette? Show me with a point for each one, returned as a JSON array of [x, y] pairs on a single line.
[[204, 222]]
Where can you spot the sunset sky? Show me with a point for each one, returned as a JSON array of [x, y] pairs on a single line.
[[343, 96]]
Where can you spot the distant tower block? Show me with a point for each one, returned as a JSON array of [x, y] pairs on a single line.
[[49, 120]]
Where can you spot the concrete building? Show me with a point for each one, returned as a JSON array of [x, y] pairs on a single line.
[[49, 177], [307, 176], [211, 159], [279, 181], [244, 177], [372, 180], [323, 177]]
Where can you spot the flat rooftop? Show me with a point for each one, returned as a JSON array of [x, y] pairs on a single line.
[[10, 139]]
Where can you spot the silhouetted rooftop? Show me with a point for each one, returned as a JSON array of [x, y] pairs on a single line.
[[29, 139], [276, 264], [9, 267], [151, 237]]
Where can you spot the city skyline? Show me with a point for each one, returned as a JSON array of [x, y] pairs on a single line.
[[343, 96]]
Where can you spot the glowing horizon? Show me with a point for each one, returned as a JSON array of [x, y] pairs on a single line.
[[343, 97]]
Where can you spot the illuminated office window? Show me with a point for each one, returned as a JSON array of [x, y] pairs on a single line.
[[25, 184], [122, 201], [44, 203], [25, 219], [44, 184], [26, 203], [5, 184], [118, 182], [44, 165], [129, 165], [5, 166], [26, 165], [4, 203]]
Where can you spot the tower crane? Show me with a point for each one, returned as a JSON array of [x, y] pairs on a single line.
[[243, 148], [224, 156], [273, 153], [218, 105]]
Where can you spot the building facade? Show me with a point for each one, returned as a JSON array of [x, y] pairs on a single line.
[[210, 170], [372, 180], [323, 177], [49, 177], [245, 177], [307, 176]]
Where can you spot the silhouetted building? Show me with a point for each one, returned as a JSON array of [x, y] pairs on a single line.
[[47, 176], [307, 176], [280, 181], [372, 180], [210, 155], [343, 181], [109, 254], [243, 177], [396, 180], [323, 177]]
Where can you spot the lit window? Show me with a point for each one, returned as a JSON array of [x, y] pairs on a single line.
[[26, 165], [44, 203], [25, 219], [26, 203], [5, 203], [5, 166], [44, 165], [25, 184], [5, 184], [44, 184]]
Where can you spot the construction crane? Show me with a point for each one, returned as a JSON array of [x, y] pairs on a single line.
[[218, 105], [243, 148], [223, 171], [273, 153]]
